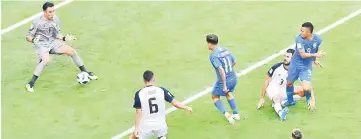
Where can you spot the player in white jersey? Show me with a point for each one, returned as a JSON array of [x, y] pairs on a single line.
[[149, 103], [275, 85]]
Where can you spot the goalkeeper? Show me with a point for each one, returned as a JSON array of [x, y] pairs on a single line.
[[45, 35]]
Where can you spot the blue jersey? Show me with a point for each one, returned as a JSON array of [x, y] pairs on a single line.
[[222, 57], [309, 46]]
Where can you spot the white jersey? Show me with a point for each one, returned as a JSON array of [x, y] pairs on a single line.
[[278, 76], [151, 100]]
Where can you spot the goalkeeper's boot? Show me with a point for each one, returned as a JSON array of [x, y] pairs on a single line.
[[92, 76]]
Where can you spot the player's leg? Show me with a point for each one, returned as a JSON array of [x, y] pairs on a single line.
[[216, 93], [62, 48], [306, 77], [230, 98], [291, 78], [276, 99], [219, 104], [233, 105], [44, 59], [298, 93]]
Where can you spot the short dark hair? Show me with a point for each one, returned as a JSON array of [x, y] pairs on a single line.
[[148, 75], [211, 38], [297, 133], [308, 25], [47, 5], [290, 51]]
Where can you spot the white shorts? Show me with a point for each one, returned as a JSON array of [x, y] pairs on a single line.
[[272, 91], [146, 134]]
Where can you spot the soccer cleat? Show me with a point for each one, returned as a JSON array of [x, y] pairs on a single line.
[[229, 118], [29, 88], [284, 114], [236, 117], [92, 76], [286, 104]]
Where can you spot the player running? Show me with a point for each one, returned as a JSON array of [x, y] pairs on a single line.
[[307, 45], [149, 103], [223, 62], [45, 35], [275, 85]]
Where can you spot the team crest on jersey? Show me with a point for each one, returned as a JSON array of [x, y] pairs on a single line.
[[308, 50], [314, 45]]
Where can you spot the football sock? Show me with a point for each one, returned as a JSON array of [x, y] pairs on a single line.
[[33, 80], [77, 60], [289, 91], [220, 106], [82, 68], [278, 108], [308, 95], [232, 104]]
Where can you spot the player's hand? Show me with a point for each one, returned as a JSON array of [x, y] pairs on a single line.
[[190, 110], [312, 104], [320, 54], [225, 90], [134, 135], [36, 39], [318, 63], [70, 37], [260, 103]]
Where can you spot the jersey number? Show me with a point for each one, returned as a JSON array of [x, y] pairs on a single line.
[[227, 64], [281, 82], [153, 108]]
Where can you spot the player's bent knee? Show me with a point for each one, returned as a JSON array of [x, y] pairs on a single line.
[[45, 59], [68, 50], [276, 99], [289, 84], [215, 98], [229, 96]]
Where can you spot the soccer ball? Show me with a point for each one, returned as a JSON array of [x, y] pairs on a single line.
[[83, 78]]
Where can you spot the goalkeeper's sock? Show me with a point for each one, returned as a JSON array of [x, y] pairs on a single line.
[[82, 68], [77, 60], [33, 80], [220, 107], [308, 95]]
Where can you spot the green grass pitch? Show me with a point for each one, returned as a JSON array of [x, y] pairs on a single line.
[[119, 40]]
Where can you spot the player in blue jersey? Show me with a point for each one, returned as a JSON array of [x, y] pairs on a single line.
[[307, 52], [223, 62]]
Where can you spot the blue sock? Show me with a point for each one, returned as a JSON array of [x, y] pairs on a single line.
[[232, 104], [220, 106], [289, 91], [308, 96]]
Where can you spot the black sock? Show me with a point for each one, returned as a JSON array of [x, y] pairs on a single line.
[[82, 68], [33, 80]]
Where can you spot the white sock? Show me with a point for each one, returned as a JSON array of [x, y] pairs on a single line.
[[278, 108]]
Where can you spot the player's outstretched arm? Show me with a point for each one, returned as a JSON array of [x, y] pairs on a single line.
[[180, 105], [263, 91]]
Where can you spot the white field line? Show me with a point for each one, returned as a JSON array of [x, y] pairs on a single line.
[[250, 68], [29, 19]]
